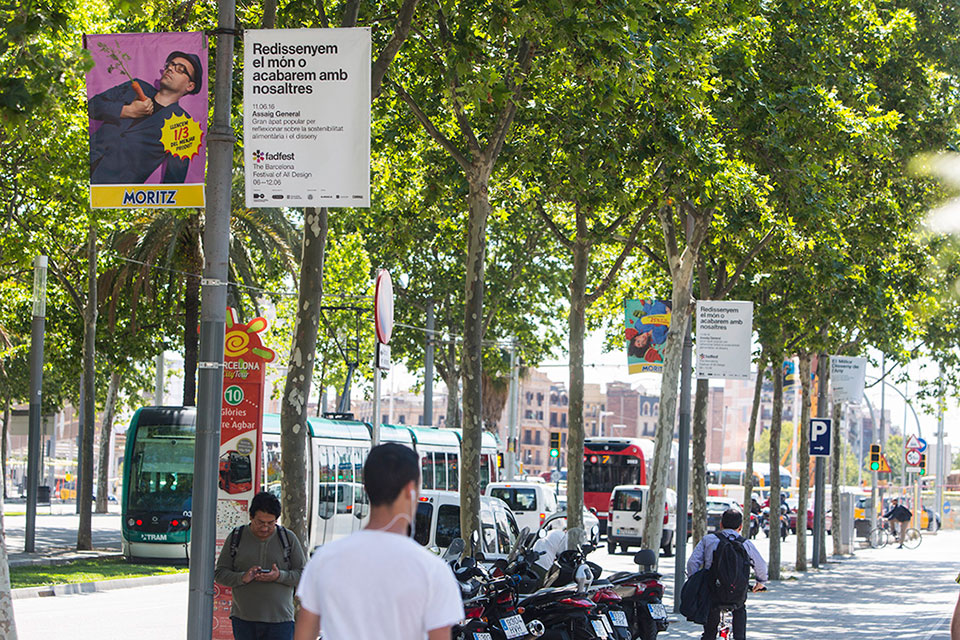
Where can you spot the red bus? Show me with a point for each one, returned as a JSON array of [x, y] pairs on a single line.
[[608, 462]]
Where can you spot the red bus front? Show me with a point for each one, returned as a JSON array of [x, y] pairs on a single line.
[[608, 462]]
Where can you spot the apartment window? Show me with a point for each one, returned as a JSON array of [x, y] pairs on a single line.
[[528, 414], [539, 399], [553, 418], [537, 441], [539, 415], [563, 421], [527, 439]]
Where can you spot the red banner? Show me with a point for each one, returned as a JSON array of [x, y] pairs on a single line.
[[241, 436]]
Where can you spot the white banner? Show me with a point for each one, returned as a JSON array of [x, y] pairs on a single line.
[[306, 117], [724, 333], [847, 378]]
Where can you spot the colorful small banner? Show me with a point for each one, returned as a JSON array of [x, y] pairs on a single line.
[[147, 105], [647, 324], [241, 435]]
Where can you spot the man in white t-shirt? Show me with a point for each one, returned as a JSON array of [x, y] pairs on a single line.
[[378, 583]]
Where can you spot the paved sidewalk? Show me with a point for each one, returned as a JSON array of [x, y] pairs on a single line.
[[55, 540]]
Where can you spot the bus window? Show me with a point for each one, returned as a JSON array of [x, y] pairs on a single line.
[[731, 477], [426, 470], [453, 473], [484, 472], [271, 471], [713, 477], [344, 479], [440, 467], [327, 493], [609, 471], [359, 493]]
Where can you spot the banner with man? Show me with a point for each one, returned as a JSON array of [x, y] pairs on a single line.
[[147, 105], [646, 325]]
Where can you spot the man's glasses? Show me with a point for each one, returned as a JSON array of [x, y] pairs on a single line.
[[179, 67]]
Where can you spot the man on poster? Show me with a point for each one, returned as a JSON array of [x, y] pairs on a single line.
[[128, 147]]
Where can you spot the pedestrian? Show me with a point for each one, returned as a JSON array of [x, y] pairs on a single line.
[[379, 583], [899, 515], [730, 557], [261, 562]]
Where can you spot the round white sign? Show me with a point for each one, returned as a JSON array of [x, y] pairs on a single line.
[[913, 457], [383, 306]]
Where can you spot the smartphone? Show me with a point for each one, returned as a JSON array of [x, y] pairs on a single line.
[[262, 570]]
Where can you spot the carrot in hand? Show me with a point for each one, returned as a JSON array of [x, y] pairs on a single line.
[[136, 87]]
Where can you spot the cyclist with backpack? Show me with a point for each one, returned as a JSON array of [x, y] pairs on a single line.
[[261, 562], [726, 558]]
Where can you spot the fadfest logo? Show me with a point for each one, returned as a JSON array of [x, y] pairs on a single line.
[[244, 340], [259, 156]]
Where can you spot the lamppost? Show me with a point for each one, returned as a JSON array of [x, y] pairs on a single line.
[[36, 381], [602, 414]]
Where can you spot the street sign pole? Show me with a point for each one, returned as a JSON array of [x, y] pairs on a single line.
[[213, 315], [819, 489]]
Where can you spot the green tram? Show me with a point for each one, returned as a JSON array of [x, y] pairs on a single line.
[[158, 475]]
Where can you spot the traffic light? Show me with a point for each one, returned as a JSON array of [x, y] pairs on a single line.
[[874, 457], [554, 445], [499, 461], [923, 464]]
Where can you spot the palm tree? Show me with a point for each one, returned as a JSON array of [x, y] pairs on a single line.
[[161, 257]]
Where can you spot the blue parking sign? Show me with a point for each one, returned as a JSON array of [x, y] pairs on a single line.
[[820, 429]]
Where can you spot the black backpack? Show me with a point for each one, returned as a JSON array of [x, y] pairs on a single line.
[[730, 571], [281, 533]]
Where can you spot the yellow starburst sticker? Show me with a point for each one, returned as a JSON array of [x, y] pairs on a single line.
[[181, 136]]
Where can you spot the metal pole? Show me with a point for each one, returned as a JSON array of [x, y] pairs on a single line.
[[819, 472], [375, 418], [158, 384], [683, 467], [36, 382], [213, 307], [510, 454], [428, 369], [942, 462], [883, 421]]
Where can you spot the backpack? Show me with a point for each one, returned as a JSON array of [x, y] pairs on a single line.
[[730, 571], [281, 533]]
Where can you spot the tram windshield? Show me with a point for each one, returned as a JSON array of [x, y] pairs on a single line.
[[162, 468]]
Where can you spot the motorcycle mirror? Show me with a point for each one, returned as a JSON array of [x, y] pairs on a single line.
[[541, 534], [457, 545], [469, 562]]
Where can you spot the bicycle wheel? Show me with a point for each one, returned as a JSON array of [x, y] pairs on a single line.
[[912, 538], [877, 538]]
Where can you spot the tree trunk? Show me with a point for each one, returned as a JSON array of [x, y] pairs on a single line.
[[803, 464], [472, 367], [106, 428], [269, 13], [191, 315], [699, 461], [293, 407], [836, 455], [752, 430], [575, 430], [8, 624], [658, 479], [775, 425], [3, 445], [84, 540], [452, 419]]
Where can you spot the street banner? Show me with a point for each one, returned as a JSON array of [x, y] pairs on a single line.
[[147, 109], [724, 332], [647, 324], [790, 376], [306, 117], [847, 378], [241, 434]]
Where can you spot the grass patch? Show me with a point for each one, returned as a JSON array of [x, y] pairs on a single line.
[[85, 571]]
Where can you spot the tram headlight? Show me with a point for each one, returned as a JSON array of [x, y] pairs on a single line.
[[130, 522]]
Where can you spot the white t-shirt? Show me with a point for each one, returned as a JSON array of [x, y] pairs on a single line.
[[374, 585]]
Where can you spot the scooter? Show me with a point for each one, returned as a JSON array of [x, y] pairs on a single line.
[[642, 597]]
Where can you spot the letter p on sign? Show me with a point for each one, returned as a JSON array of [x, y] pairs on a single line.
[[820, 437]]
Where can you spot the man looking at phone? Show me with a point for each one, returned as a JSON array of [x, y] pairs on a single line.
[[262, 563]]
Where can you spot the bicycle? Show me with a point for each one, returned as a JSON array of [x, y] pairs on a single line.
[[879, 536], [912, 538], [725, 628]]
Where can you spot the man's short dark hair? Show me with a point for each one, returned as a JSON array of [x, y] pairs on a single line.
[[388, 469], [266, 502], [731, 519]]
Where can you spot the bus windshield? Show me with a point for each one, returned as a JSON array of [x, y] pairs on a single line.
[[162, 468], [609, 471]]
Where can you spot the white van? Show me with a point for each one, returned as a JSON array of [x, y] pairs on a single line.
[[531, 502], [628, 510], [438, 523]]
